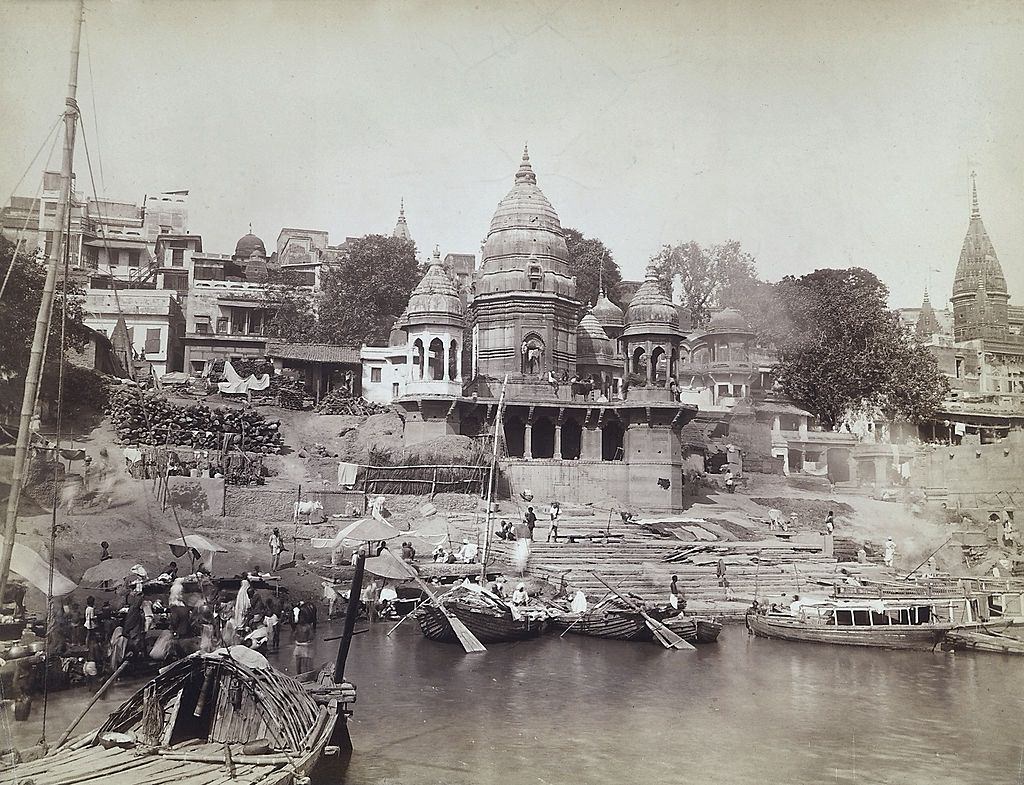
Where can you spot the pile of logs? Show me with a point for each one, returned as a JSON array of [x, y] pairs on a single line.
[[291, 394], [148, 418], [337, 402]]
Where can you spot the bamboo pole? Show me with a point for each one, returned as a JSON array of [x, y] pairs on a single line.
[[34, 374], [490, 482], [99, 694]]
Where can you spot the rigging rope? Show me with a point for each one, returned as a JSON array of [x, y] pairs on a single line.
[[29, 213], [95, 114]]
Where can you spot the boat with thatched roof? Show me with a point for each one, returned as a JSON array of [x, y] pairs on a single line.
[[209, 718]]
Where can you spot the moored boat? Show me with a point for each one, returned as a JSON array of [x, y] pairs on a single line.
[[489, 618], [903, 623], [204, 718], [996, 640], [616, 622]]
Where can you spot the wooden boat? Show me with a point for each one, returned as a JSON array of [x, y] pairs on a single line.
[[984, 638], [226, 716], [885, 623], [695, 629], [490, 619], [616, 622]]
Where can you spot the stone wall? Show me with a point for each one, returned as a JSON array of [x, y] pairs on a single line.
[[277, 504], [597, 482], [977, 476]]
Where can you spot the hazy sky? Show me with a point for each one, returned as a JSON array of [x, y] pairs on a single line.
[[817, 134]]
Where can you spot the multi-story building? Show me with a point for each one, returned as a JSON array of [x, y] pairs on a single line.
[[153, 318]]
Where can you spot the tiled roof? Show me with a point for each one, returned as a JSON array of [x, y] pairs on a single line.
[[313, 352]]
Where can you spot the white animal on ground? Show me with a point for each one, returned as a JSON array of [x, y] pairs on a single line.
[[774, 519], [306, 508]]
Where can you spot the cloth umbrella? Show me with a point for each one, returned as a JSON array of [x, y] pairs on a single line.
[[387, 565], [33, 568], [105, 571], [362, 530], [201, 548]]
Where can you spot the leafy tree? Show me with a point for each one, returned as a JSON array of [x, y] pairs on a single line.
[[368, 288], [294, 315], [842, 349], [18, 309], [706, 274], [588, 257]]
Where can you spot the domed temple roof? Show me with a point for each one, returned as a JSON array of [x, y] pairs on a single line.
[[651, 310], [978, 261], [607, 313], [248, 245], [593, 346], [728, 320], [435, 300], [525, 249]]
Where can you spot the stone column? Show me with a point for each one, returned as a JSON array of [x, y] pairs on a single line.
[[590, 444], [528, 441], [650, 365], [558, 442]]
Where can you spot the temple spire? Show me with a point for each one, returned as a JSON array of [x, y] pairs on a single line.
[[525, 173], [401, 228], [975, 210]]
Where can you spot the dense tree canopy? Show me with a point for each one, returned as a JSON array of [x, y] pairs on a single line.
[[19, 306], [842, 349], [707, 274], [359, 299], [590, 261]]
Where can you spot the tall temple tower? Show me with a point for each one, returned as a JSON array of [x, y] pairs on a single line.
[[401, 230], [980, 297], [524, 310]]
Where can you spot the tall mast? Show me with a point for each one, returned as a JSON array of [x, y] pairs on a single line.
[[490, 482], [35, 364]]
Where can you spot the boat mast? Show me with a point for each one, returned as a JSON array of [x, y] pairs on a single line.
[[35, 364], [490, 482]]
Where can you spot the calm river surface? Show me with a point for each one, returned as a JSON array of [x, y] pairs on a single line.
[[744, 710]]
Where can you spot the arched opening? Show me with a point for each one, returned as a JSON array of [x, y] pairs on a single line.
[[417, 359], [542, 443], [659, 367], [436, 360], [453, 360], [572, 440], [639, 363], [612, 434], [532, 355], [515, 437]]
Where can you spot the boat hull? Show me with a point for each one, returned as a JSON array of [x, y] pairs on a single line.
[[623, 626], [919, 637], [978, 640], [487, 627]]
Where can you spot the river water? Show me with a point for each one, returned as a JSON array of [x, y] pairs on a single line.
[[744, 710]]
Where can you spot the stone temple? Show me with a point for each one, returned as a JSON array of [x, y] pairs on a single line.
[[617, 431]]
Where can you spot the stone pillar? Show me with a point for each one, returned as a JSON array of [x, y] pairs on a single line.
[[590, 444], [803, 460], [776, 424], [803, 428], [528, 441], [458, 362], [558, 442], [650, 366]]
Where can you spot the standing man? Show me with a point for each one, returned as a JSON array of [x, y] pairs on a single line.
[[674, 599], [276, 546], [530, 519], [554, 512], [890, 552]]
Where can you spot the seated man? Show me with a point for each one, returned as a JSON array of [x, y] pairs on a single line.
[[388, 598], [468, 552]]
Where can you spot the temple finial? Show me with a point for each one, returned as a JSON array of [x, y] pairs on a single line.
[[250, 227], [401, 207], [525, 173], [975, 210]]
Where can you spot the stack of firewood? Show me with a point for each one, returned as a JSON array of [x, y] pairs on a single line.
[[148, 418], [337, 402]]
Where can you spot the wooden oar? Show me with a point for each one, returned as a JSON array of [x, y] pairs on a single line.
[[600, 602], [413, 611], [99, 693], [665, 636], [468, 640]]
